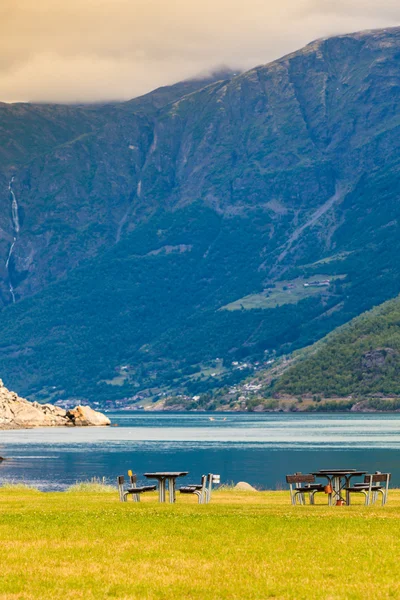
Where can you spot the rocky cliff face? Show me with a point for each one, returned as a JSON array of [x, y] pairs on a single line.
[[286, 171], [290, 139], [18, 413], [75, 175]]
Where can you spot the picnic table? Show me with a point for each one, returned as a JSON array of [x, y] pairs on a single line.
[[339, 479], [162, 478]]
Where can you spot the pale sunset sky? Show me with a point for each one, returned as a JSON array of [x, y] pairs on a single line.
[[95, 50]]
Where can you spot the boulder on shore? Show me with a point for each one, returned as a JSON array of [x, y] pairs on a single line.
[[85, 416], [243, 486], [19, 413]]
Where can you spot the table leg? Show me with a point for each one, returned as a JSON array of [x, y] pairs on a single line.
[[171, 489], [336, 488], [161, 490], [347, 484]]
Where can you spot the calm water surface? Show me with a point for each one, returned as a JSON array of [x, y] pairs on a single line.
[[258, 448]]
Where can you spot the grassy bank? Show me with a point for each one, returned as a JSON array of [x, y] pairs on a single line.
[[244, 545]]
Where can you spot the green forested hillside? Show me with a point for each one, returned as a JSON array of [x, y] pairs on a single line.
[[361, 359]]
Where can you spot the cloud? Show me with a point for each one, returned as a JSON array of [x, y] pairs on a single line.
[[94, 50]]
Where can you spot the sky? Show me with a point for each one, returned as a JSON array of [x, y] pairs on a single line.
[[97, 50]]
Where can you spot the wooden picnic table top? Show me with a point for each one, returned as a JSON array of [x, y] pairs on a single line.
[[162, 474], [338, 472]]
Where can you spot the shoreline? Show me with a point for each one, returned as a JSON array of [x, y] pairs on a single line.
[[249, 412], [71, 425]]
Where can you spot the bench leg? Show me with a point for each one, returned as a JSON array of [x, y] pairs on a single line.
[[300, 497], [383, 496], [199, 496]]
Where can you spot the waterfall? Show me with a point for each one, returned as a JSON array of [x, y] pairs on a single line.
[[16, 227], [10, 253], [14, 208]]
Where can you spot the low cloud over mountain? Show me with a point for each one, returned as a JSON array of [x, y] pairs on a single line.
[[94, 50]]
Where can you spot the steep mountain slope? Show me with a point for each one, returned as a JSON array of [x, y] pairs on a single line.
[[146, 239], [357, 366], [362, 358], [74, 190], [31, 130]]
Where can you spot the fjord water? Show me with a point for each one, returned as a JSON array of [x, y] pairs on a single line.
[[258, 448]]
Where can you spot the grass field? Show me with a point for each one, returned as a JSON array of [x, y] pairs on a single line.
[[244, 545], [284, 292]]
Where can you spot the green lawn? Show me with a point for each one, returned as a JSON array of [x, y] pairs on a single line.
[[243, 545]]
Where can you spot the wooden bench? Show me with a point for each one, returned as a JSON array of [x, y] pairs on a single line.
[[133, 491], [371, 487], [310, 487], [203, 489]]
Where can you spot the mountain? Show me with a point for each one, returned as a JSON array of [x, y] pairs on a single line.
[[70, 169], [356, 367], [171, 243], [361, 359]]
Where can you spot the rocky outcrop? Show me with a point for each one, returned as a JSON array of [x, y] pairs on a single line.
[[18, 413], [374, 361], [85, 416], [362, 407]]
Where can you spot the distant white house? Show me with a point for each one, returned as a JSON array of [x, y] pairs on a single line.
[[324, 283]]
